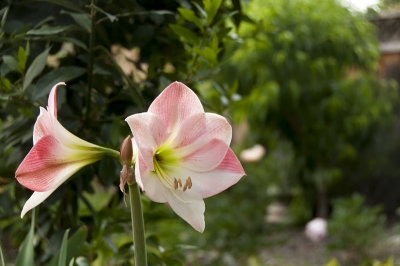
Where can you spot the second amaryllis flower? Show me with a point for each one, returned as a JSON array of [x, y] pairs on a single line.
[[183, 153], [55, 156]]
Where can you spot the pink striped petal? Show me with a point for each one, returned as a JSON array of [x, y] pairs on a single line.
[[44, 125], [52, 102], [208, 184], [47, 166], [175, 104], [203, 140], [149, 132]]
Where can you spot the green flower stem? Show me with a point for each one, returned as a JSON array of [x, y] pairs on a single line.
[[111, 152], [139, 239]]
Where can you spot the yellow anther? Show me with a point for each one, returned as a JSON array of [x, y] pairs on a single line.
[[175, 183], [179, 182], [189, 181], [185, 187]]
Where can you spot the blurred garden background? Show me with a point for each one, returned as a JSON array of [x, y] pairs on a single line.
[[310, 88]]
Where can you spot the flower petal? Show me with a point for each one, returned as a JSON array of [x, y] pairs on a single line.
[[43, 126], [203, 140], [149, 132], [35, 200], [208, 184], [175, 104], [49, 164], [189, 207], [52, 102]]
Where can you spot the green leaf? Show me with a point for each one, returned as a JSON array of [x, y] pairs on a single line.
[[210, 55], [25, 255], [111, 17], [11, 62], [2, 260], [62, 260], [46, 82], [211, 7], [66, 4], [74, 246], [187, 35], [48, 30], [35, 68], [22, 56], [189, 15], [81, 19]]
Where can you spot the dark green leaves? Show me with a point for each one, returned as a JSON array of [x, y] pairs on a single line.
[[35, 68], [69, 248], [46, 82]]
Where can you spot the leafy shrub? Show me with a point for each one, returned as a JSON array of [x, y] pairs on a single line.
[[355, 226]]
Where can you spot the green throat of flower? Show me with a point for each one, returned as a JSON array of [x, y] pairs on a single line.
[[164, 158]]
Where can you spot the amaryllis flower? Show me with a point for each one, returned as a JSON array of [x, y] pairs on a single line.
[[55, 156], [183, 153]]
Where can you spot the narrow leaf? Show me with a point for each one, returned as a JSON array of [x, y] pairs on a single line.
[[211, 7], [66, 4], [44, 84], [111, 17], [25, 255], [74, 246], [187, 35], [62, 260], [35, 68], [2, 260], [48, 30], [22, 56], [81, 19], [11, 62], [189, 15]]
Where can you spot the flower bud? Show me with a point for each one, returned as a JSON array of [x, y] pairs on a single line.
[[126, 151]]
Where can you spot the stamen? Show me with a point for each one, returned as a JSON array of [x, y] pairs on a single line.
[[185, 187], [189, 181], [169, 182]]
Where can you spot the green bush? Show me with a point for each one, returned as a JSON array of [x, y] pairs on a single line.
[[354, 226]]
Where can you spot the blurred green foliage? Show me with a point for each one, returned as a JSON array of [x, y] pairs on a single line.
[[354, 226], [308, 78]]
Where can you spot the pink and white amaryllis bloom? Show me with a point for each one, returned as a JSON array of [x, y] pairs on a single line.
[[55, 156], [183, 153]]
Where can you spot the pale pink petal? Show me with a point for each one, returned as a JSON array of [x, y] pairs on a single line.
[[189, 207], [47, 166], [140, 169], [35, 200], [207, 184], [207, 157], [175, 104], [149, 132], [153, 188], [52, 102], [203, 140], [43, 126]]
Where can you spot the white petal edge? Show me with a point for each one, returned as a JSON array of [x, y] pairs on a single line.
[[192, 210]]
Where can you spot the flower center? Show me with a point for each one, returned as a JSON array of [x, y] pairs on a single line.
[[163, 159]]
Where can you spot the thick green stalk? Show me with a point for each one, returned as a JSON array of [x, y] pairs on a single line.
[[139, 239]]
